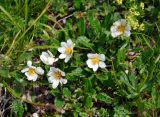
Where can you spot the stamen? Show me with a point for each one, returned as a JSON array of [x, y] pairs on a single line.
[[121, 28], [57, 75], [31, 71], [68, 50], [95, 60]]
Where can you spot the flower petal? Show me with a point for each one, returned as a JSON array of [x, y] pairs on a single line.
[[43, 58], [62, 73], [102, 65], [35, 78], [29, 63], [70, 43], [50, 53], [64, 44], [62, 56], [24, 70], [39, 71], [128, 28], [56, 59], [123, 22], [102, 57], [63, 81], [35, 115], [50, 79], [113, 28], [67, 59], [127, 33], [90, 55], [117, 23], [50, 61], [45, 54], [31, 77], [51, 71], [89, 63], [55, 83], [115, 34], [95, 67], [62, 49]]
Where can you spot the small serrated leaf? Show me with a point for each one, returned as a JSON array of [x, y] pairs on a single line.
[[17, 108], [88, 102], [84, 42], [59, 103], [104, 97], [66, 93], [81, 26]]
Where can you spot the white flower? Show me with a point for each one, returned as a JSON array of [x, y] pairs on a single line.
[[119, 28], [32, 72], [48, 58], [96, 60], [35, 115], [66, 50], [126, 71], [56, 77]]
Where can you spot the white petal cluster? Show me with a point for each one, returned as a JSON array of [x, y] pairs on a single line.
[[56, 77], [48, 58], [55, 74], [35, 115], [32, 72], [66, 50], [120, 28], [96, 60]]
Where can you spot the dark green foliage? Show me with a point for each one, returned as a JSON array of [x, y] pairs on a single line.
[[128, 86]]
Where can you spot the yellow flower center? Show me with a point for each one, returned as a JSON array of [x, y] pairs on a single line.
[[31, 71], [121, 28], [95, 60], [57, 75], [68, 50]]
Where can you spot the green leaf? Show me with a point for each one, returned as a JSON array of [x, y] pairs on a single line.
[[17, 108], [81, 26], [95, 24], [59, 103], [154, 95], [77, 106], [125, 80], [147, 55], [104, 76], [132, 78], [75, 73], [104, 112], [83, 114], [121, 55], [87, 85], [24, 57], [88, 102], [120, 111], [104, 98], [75, 114], [66, 93], [4, 73], [107, 21], [83, 41], [77, 3]]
